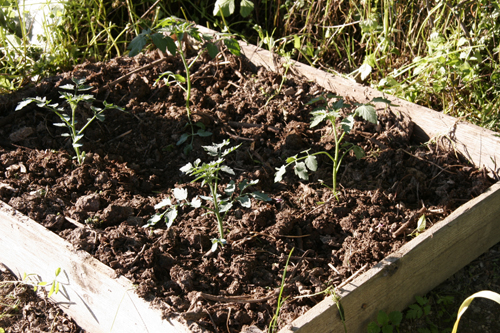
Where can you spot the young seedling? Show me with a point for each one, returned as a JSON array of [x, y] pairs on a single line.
[[330, 112], [69, 119], [385, 322], [209, 174], [173, 34]]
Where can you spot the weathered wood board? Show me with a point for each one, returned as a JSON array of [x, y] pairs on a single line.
[[90, 293], [101, 302]]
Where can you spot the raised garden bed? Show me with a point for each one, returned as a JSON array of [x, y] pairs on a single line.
[[166, 266]]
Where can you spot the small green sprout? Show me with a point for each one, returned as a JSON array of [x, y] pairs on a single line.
[[219, 204], [330, 112], [172, 34], [69, 119]]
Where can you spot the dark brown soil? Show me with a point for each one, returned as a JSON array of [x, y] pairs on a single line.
[[25, 311], [133, 163]]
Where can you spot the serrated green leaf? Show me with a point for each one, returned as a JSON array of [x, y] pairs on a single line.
[[170, 216], [196, 202], [59, 124], [347, 123], [227, 169], [246, 7], [382, 318], [311, 163], [138, 43], [358, 151], [373, 327], [338, 104], [224, 206], [68, 86], [244, 201], [233, 46], [213, 50], [387, 329], [317, 117], [180, 193], [395, 317], [260, 196], [163, 203], [230, 188], [187, 168], [367, 112], [160, 41], [301, 170], [278, 176], [224, 7]]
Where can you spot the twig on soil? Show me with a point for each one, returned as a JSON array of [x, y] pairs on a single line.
[[138, 255], [239, 299], [352, 277], [410, 221]]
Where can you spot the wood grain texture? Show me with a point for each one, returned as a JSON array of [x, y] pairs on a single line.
[[418, 267], [90, 293]]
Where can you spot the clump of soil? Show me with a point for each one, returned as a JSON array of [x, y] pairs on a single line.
[[133, 163]]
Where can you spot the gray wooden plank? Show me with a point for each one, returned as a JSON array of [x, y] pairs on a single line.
[[91, 294]]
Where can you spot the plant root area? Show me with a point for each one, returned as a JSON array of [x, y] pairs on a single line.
[[133, 163]]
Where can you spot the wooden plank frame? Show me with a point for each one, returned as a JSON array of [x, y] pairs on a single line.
[[101, 302]]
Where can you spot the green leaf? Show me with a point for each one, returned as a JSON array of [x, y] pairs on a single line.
[[203, 133], [318, 117], [347, 123], [52, 289], [414, 312], [58, 271], [226, 7], [373, 328], [170, 216], [180, 193], [244, 201], [230, 188], [260, 196], [311, 163], [225, 206], [382, 100], [421, 224], [364, 71], [395, 317], [227, 169], [138, 43], [367, 112], [183, 139], [246, 7], [213, 50], [160, 40], [153, 220], [301, 171], [196, 202], [163, 203], [233, 46], [278, 176], [387, 329], [23, 103], [358, 151], [382, 318]]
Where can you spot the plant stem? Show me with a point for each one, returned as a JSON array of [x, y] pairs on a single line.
[[213, 190]]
